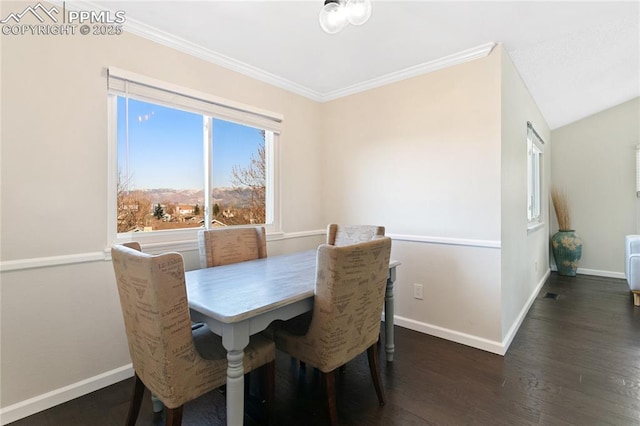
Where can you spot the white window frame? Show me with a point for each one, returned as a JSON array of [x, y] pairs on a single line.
[[136, 86], [535, 168]]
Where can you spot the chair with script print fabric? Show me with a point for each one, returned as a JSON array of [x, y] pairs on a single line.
[[133, 244], [157, 404], [224, 246], [177, 364], [341, 235], [349, 294]]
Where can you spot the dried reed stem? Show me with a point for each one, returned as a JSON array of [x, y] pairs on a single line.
[[561, 207]]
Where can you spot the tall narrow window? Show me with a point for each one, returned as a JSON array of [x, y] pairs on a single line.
[[186, 160], [534, 175]]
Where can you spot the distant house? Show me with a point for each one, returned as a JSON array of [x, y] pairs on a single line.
[[185, 209]]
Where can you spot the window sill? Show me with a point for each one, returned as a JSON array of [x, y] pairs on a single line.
[[183, 240], [534, 226]]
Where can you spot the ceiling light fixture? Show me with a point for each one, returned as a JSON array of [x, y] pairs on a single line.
[[336, 14]]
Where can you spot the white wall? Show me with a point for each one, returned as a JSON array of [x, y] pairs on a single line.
[[594, 161], [422, 157], [61, 325], [525, 255]]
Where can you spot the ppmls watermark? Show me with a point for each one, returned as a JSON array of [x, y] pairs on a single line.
[[52, 21]]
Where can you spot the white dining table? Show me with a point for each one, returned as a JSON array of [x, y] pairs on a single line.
[[242, 299]]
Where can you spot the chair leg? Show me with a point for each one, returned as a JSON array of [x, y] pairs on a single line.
[[372, 354], [157, 404], [173, 416], [247, 385], [136, 401], [330, 389], [270, 392], [636, 298]]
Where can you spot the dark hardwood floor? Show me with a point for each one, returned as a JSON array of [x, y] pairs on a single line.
[[574, 361]]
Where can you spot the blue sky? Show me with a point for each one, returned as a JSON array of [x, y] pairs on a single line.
[[165, 147]]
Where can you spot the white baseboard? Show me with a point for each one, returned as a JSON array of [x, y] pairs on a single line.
[[448, 334], [492, 346], [42, 402], [508, 338], [596, 273]]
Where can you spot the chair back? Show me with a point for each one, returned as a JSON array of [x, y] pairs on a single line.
[[133, 244], [349, 295], [156, 317], [341, 235], [223, 246]]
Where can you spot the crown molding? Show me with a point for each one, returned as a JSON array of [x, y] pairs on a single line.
[[413, 71], [185, 46], [166, 39]]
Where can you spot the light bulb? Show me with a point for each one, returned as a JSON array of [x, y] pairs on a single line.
[[358, 11], [332, 16]]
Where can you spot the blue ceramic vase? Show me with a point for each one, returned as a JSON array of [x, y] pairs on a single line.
[[567, 250]]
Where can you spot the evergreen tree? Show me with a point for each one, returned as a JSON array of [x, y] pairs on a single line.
[[158, 211]]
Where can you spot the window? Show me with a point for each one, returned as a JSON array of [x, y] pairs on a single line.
[[183, 160], [534, 175]]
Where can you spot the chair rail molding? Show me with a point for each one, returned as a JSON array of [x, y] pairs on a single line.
[[153, 248], [493, 244]]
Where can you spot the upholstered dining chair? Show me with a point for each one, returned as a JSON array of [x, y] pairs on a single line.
[[157, 404], [340, 235], [133, 244], [349, 294], [177, 364], [223, 246]]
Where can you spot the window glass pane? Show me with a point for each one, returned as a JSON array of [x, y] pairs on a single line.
[[534, 177], [536, 183], [239, 174], [160, 167]]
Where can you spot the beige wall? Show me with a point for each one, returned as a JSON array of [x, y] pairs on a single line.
[[594, 161], [428, 158], [525, 255], [422, 157], [55, 127], [62, 324]]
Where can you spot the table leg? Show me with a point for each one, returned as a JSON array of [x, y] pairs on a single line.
[[388, 315], [235, 337], [235, 388]]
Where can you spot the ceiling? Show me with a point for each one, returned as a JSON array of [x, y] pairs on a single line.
[[576, 58]]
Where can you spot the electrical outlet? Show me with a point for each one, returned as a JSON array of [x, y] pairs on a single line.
[[418, 291]]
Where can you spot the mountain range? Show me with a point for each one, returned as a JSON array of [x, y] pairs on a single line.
[[237, 197]]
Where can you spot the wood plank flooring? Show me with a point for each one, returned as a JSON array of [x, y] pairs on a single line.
[[574, 361]]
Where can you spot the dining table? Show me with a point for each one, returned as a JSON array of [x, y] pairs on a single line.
[[242, 299]]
